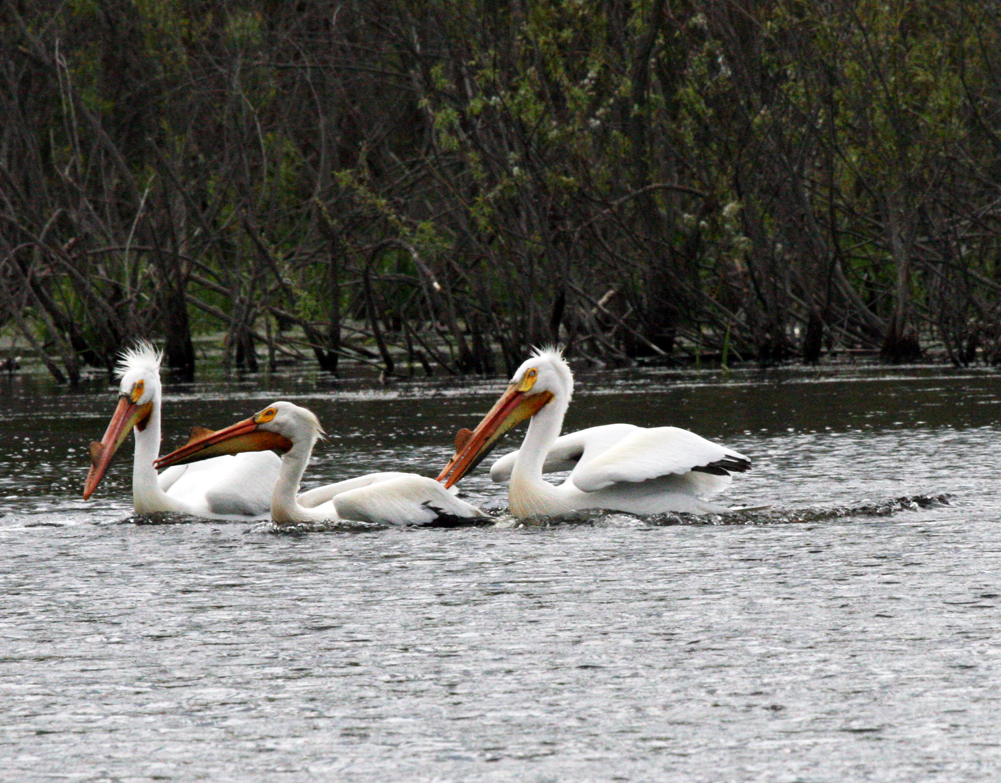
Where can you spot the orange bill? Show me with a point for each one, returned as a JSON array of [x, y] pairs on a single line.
[[127, 415], [243, 436], [514, 406]]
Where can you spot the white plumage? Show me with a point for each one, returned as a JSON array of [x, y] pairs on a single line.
[[226, 487], [618, 467], [383, 498]]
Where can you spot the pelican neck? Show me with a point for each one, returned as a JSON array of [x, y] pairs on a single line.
[[285, 506], [147, 497], [543, 429]]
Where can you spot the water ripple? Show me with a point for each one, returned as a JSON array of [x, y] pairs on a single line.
[[849, 631]]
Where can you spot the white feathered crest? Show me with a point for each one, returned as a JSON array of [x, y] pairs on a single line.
[[314, 422], [553, 356], [142, 355], [547, 351]]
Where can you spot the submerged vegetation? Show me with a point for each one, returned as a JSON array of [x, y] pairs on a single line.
[[442, 184]]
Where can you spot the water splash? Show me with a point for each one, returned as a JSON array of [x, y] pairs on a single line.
[[736, 517]]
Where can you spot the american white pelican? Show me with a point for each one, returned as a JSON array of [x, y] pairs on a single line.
[[618, 467], [383, 498], [225, 488]]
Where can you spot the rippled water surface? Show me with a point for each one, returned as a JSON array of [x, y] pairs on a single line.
[[852, 631]]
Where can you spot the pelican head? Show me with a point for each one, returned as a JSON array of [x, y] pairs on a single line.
[[138, 396], [278, 427], [543, 380]]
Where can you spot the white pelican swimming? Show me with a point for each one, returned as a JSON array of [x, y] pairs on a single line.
[[618, 467], [225, 488], [384, 498]]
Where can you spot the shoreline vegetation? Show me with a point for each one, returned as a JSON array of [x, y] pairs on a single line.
[[441, 185], [365, 366]]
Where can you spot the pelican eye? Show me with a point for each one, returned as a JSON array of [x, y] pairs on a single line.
[[528, 381], [137, 390], [265, 416]]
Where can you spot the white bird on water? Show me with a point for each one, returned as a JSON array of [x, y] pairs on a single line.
[[383, 498], [224, 488], [617, 467]]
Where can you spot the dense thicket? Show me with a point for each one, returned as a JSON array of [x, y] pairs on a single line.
[[461, 179]]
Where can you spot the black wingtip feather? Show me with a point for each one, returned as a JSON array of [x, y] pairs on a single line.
[[726, 466]]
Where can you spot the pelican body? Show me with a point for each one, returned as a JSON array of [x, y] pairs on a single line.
[[617, 467], [225, 488], [383, 498]]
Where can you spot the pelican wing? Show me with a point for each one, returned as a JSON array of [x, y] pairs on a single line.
[[168, 477], [319, 495], [648, 454], [405, 499], [570, 451], [236, 485]]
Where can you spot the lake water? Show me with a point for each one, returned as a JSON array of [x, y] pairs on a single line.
[[852, 632]]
